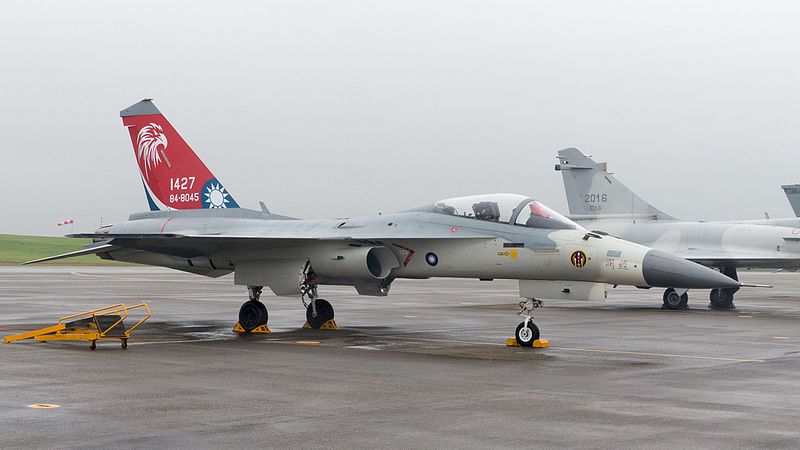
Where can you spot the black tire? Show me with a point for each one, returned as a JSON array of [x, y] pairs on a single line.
[[92, 345], [124, 343], [721, 299], [324, 313], [526, 338], [252, 314], [674, 301]]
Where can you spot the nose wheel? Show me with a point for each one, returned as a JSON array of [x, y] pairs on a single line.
[[527, 331]]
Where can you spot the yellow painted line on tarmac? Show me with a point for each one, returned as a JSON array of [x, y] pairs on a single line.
[[781, 338], [745, 317], [43, 406], [410, 317], [308, 342]]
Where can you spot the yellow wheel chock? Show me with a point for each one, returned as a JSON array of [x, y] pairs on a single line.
[[91, 326], [261, 329], [538, 343], [328, 325]]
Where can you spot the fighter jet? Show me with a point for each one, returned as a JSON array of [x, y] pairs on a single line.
[[599, 202], [195, 225]]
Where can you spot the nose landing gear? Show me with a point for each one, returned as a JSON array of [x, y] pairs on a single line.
[[527, 331]]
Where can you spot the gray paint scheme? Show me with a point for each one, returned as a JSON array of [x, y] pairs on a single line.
[[143, 108], [793, 195], [215, 243], [772, 243], [585, 180], [488, 236]]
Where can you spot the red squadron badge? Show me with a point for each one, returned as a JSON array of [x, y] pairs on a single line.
[[578, 259]]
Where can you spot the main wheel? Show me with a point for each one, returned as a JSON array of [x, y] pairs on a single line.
[[324, 313], [721, 299], [674, 301], [527, 334], [252, 314]]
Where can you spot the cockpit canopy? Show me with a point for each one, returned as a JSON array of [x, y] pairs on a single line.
[[503, 208]]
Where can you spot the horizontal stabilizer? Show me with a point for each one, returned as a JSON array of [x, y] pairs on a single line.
[[93, 250]]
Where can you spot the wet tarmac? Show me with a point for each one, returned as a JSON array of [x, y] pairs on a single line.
[[426, 366]]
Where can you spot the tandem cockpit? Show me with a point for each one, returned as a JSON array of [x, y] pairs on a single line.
[[512, 209]]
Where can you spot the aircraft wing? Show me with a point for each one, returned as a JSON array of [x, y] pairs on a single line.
[[193, 245], [90, 250], [769, 261]]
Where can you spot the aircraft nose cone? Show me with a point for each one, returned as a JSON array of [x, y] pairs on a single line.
[[661, 269]]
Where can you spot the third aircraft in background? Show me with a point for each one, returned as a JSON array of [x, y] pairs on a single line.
[[597, 201]]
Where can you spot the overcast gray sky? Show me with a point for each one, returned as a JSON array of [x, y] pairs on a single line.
[[343, 108]]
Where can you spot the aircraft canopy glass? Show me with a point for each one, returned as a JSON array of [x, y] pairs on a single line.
[[504, 208]]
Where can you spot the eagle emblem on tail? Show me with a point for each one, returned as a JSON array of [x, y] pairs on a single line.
[[149, 138]]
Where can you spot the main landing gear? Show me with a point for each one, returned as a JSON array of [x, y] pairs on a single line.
[[319, 312], [722, 299], [674, 299], [253, 313], [527, 331]]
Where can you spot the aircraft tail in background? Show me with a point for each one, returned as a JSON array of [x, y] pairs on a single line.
[[793, 194], [594, 192], [174, 177]]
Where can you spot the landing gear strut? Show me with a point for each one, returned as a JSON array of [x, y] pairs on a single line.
[[527, 331], [722, 299], [674, 300], [253, 313], [318, 310]]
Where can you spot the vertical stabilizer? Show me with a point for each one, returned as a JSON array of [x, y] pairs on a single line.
[[593, 191], [793, 194], [174, 177]]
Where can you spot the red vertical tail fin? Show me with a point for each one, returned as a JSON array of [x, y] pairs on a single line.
[[173, 175]]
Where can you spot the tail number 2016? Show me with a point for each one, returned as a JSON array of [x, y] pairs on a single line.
[[596, 198], [181, 183]]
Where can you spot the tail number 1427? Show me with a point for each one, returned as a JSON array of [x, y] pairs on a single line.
[[181, 183]]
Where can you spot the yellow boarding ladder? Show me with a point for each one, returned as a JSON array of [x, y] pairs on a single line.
[[91, 326]]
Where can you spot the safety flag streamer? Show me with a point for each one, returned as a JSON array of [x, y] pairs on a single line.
[[65, 222]]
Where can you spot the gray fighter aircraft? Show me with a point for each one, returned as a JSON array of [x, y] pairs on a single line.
[[195, 225], [598, 201]]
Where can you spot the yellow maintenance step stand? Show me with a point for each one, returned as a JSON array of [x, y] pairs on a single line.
[[91, 326]]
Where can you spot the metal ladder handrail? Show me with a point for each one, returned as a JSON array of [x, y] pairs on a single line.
[[118, 308], [140, 305]]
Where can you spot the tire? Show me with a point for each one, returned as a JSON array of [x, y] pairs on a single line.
[[526, 335], [324, 313], [720, 299], [124, 343], [252, 314], [674, 301], [92, 345]]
